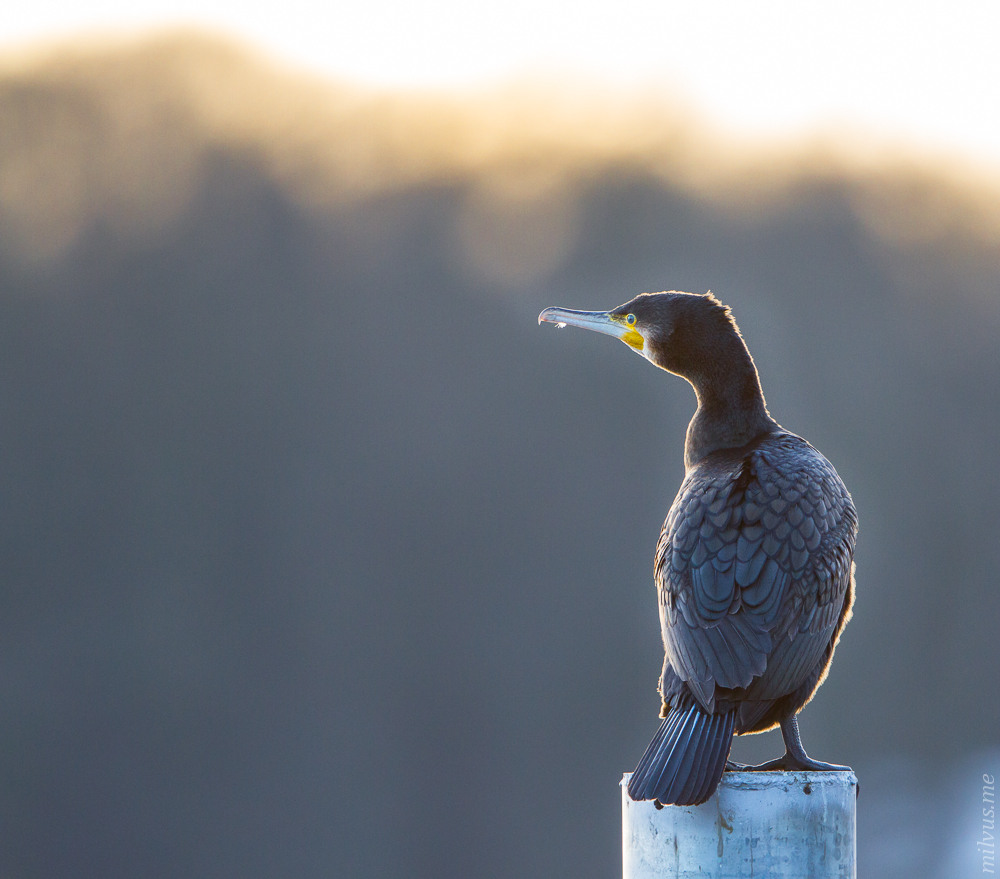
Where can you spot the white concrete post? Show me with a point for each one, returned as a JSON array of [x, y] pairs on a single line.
[[777, 825]]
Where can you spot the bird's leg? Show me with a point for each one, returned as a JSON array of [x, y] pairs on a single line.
[[796, 755], [795, 758]]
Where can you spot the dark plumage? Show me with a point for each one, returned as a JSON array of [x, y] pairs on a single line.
[[754, 566]]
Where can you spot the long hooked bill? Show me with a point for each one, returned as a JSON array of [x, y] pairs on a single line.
[[599, 321]]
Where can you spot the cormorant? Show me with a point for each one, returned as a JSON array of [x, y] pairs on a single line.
[[754, 566]]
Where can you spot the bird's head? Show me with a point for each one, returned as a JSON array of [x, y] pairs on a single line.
[[693, 336], [665, 328]]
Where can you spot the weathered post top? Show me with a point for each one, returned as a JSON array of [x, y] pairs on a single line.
[[769, 825]]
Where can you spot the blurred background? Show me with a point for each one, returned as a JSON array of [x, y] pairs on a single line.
[[320, 558]]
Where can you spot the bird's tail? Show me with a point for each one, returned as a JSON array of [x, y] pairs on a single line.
[[683, 764]]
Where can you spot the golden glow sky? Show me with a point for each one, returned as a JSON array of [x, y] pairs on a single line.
[[927, 72]]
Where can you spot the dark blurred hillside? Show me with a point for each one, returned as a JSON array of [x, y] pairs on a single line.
[[320, 558]]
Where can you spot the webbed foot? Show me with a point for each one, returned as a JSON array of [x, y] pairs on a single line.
[[795, 758]]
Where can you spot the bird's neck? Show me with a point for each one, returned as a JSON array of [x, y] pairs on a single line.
[[731, 408]]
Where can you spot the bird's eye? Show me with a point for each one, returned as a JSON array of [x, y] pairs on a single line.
[[630, 319]]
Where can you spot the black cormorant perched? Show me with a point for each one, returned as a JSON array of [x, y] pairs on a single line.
[[754, 567]]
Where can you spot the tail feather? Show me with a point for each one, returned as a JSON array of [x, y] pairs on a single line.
[[684, 762], [691, 773], [654, 760], [671, 755]]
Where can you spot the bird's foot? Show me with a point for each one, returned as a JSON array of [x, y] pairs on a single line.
[[810, 765], [733, 766], [796, 759], [791, 763]]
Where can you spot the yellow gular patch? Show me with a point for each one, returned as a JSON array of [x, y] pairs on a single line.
[[634, 339]]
